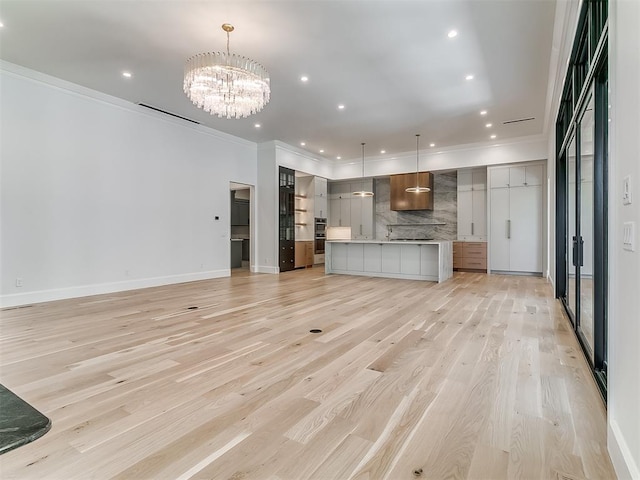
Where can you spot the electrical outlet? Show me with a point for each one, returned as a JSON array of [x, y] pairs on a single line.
[[19, 282], [629, 236]]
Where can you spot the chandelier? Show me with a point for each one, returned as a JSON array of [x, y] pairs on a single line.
[[417, 188], [363, 192], [226, 85]]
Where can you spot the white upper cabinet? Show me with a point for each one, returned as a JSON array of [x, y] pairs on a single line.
[[347, 210], [499, 177], [472, 179], [519, 176], [320, 203]]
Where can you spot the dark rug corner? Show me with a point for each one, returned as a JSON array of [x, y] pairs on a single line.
[[20, 423]]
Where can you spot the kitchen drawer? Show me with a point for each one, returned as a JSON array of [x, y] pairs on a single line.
[[474, 263], [474, 252], [457, 248], [457, 261]]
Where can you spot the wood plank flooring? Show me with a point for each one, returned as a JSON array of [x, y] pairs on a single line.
[[477, 377]]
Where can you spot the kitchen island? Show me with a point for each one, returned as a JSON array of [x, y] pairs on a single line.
[[413, 260]]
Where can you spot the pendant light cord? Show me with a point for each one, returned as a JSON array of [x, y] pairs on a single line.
[[417, 155]]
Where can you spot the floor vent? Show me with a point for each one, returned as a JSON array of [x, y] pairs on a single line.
[[315, 330], [167, 113]]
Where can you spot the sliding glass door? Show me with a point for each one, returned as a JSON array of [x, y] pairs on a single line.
[[581, 188]]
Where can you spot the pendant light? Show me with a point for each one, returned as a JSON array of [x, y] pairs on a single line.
[[417, 188], [363, 192]]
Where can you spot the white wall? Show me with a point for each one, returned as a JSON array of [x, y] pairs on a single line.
[[101, 195], [624, 319]]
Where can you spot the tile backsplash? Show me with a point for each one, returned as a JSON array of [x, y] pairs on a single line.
[[445, 198]]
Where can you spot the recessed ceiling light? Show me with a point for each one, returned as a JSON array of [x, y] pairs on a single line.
[[126, 74], [338, 158], [432, 144], [469, 77], [483, 112], [1, 24], [257, 125], [304, 78], [341, 107], [321, 150], [452, 34], [302, 144], [383, 151], [489, 125], [493, 136]]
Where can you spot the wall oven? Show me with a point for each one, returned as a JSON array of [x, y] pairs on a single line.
[[320, 235]]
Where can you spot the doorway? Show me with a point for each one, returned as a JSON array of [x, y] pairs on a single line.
[[241, 239]]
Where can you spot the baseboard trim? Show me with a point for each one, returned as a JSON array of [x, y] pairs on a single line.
[[18, 299], [623, 462], [265, 269]]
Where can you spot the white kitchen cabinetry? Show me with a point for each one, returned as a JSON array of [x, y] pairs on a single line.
[[472, 204], [320, 204], [515, 226], [419, 260], [345, 210], [520, 176]]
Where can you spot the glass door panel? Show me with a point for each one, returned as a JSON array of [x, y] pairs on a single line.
[[586, 237], [570, 296]]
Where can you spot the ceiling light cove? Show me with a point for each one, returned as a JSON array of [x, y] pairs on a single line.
[[452, 33], [469, 77]]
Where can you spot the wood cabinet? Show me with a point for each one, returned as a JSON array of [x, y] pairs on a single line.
[[470, 256], [516, 214], [403, 200], [472, 204], [304, 254]]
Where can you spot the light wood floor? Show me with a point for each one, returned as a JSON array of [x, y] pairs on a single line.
[[477, 377]]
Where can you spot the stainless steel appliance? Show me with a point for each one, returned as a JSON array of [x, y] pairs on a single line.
[[320, 235]]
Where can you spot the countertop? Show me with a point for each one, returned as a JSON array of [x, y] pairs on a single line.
[[394, 242]]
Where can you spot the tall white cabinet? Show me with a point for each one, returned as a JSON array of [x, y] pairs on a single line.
[[472, 205], [345, 210], [515, 218]]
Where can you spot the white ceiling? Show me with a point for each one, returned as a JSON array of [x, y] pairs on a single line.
[[390, 62]]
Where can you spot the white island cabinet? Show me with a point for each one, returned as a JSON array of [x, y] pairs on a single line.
[[412, 260]]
